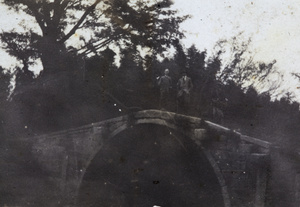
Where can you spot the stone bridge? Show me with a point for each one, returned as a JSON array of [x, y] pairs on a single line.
[[249, 171]]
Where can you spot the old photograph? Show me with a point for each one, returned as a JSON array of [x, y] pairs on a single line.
[[149, 103]]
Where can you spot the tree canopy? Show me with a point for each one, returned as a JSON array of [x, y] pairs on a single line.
[[240, 66], [80, 84], [126, 23]]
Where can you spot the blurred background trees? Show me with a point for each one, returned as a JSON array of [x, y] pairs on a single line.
[[75, 79], [114, 71]]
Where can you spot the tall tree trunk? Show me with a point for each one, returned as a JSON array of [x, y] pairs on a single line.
[[52, 56]]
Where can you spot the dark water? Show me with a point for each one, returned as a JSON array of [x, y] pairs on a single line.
[[150, 165]]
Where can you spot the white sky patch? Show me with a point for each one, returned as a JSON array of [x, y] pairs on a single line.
[[19, 22], [273, 25], [267, 22], [8, 62], [76, 40], [36, 67], [117, 60], [12, 20]]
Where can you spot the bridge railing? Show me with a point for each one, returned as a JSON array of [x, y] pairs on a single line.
[[170, 117]]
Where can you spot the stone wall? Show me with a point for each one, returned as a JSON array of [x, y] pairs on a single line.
[[251, 172]]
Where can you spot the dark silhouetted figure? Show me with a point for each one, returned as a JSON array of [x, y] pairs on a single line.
[[184, 87], [165, 84]]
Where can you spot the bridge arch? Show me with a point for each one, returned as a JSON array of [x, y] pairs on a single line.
[[170, 124], [142, 121], [75, 149]]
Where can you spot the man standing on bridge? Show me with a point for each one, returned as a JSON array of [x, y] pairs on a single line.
[[165, 84], [184, 86]]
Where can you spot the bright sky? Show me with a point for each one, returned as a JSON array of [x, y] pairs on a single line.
[[273, 25]]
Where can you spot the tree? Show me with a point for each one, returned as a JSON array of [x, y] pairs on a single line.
[[24, 48], [196, 62], [4, 93], [122, 23], [197, 72], [67, 67], [240, 66], [180, 57], [210, 92]]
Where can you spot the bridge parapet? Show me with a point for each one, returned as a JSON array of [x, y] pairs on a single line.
[[233, 156]]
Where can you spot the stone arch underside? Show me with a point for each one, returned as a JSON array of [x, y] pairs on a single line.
[[161, 122], [71, 151]]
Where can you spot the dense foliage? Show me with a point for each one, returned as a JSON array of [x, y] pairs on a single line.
[[82, 85]]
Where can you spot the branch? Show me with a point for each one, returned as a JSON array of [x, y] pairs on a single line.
[[75, 3], [58, 8], [95, 48], [297, 75], [83, 25], [86, 13], [46, 10], [38, 17], [90, 43], [102, 44]]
